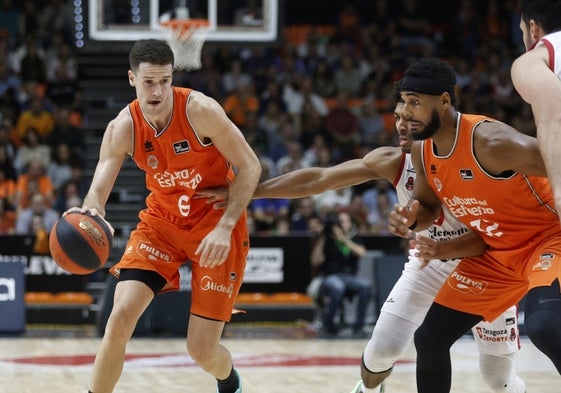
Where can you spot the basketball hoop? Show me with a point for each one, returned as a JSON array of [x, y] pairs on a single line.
[[186, 38]]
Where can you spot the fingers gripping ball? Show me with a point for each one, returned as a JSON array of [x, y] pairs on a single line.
[[80, 243]]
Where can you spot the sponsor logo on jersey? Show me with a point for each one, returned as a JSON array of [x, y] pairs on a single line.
[[466, 174], [433, 169], [150, 252], [207, 284], [492, 335], [152, 161], [181, 147], [460, 207], [148, 146], [185, 177], [463, 283]]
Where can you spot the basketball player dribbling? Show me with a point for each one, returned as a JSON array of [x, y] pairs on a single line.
[[184, 141]]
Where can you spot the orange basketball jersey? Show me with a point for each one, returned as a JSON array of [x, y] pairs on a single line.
[[177, 162], [506, 211], [514, 215]]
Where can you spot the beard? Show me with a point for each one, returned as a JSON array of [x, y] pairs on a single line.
[[430, 129]]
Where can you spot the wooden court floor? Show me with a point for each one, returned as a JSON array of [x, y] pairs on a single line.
[[62, 362]]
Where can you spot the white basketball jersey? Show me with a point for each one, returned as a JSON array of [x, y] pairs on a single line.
[[446, 227], [553, 44]]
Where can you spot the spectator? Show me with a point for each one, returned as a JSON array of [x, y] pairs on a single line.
[[241, 102], [299, 92], [348, 77], [36, 117], [294, 158], [371, 124], [33, 180], [66, 133], [323, 80], [343, 126], [32, 149], [10, 82], [339, 252], [235, 78], [7, 188], [9, 21], [6, 163], [67, 194], [32, 66], [331, 201], [38, 207], [7, 218], [30, 18], [304, 211], [57, 18], [60, 168]]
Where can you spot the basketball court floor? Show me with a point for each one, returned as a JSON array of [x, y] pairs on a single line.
[[271, 360]]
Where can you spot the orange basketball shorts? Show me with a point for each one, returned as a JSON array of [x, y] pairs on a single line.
[[163, 246]]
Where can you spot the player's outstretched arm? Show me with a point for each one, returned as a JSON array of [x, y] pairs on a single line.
[[381, 163]]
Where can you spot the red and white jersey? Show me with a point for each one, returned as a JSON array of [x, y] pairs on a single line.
[[552, 42], [446, 227]]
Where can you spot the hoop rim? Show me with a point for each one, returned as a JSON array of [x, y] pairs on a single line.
[[186, 23]]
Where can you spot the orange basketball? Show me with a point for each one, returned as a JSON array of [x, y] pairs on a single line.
[[80, 243]]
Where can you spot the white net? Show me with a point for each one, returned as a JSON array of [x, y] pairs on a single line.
[[186, 39]]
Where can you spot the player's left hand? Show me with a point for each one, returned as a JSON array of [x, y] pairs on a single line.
[[425, 248], [214, 248]]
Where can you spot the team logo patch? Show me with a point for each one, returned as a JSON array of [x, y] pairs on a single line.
[[544, 263], [181, 147], [466, 174], [437, 184], [409, 183], [152, 162]]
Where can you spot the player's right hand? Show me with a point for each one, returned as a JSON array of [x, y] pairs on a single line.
[[217, 196], [402, 218]]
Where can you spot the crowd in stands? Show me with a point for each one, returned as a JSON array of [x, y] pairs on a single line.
[[41, 116], [322, 95], [317, 98]]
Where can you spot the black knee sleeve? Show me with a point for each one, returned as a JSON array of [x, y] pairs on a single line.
[[543, 321]]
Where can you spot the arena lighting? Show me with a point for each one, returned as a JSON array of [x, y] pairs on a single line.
[[78, 24]]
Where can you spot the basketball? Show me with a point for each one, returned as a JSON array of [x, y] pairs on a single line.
[[80, 243]]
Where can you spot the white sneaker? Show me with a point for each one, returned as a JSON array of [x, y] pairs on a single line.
[[357, 388]]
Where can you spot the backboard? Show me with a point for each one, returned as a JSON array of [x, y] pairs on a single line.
[[230, 20]]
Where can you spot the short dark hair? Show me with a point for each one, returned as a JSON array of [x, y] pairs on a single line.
[[396, 93], [434, 70], [150, 51], [546, 13]]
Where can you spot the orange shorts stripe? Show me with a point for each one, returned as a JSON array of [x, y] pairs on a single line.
[[163, 246], [489, 284]]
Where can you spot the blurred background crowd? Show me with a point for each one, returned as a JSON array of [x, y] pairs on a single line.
[[319, 96]]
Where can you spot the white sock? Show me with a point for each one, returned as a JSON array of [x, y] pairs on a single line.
[[366, 390]]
